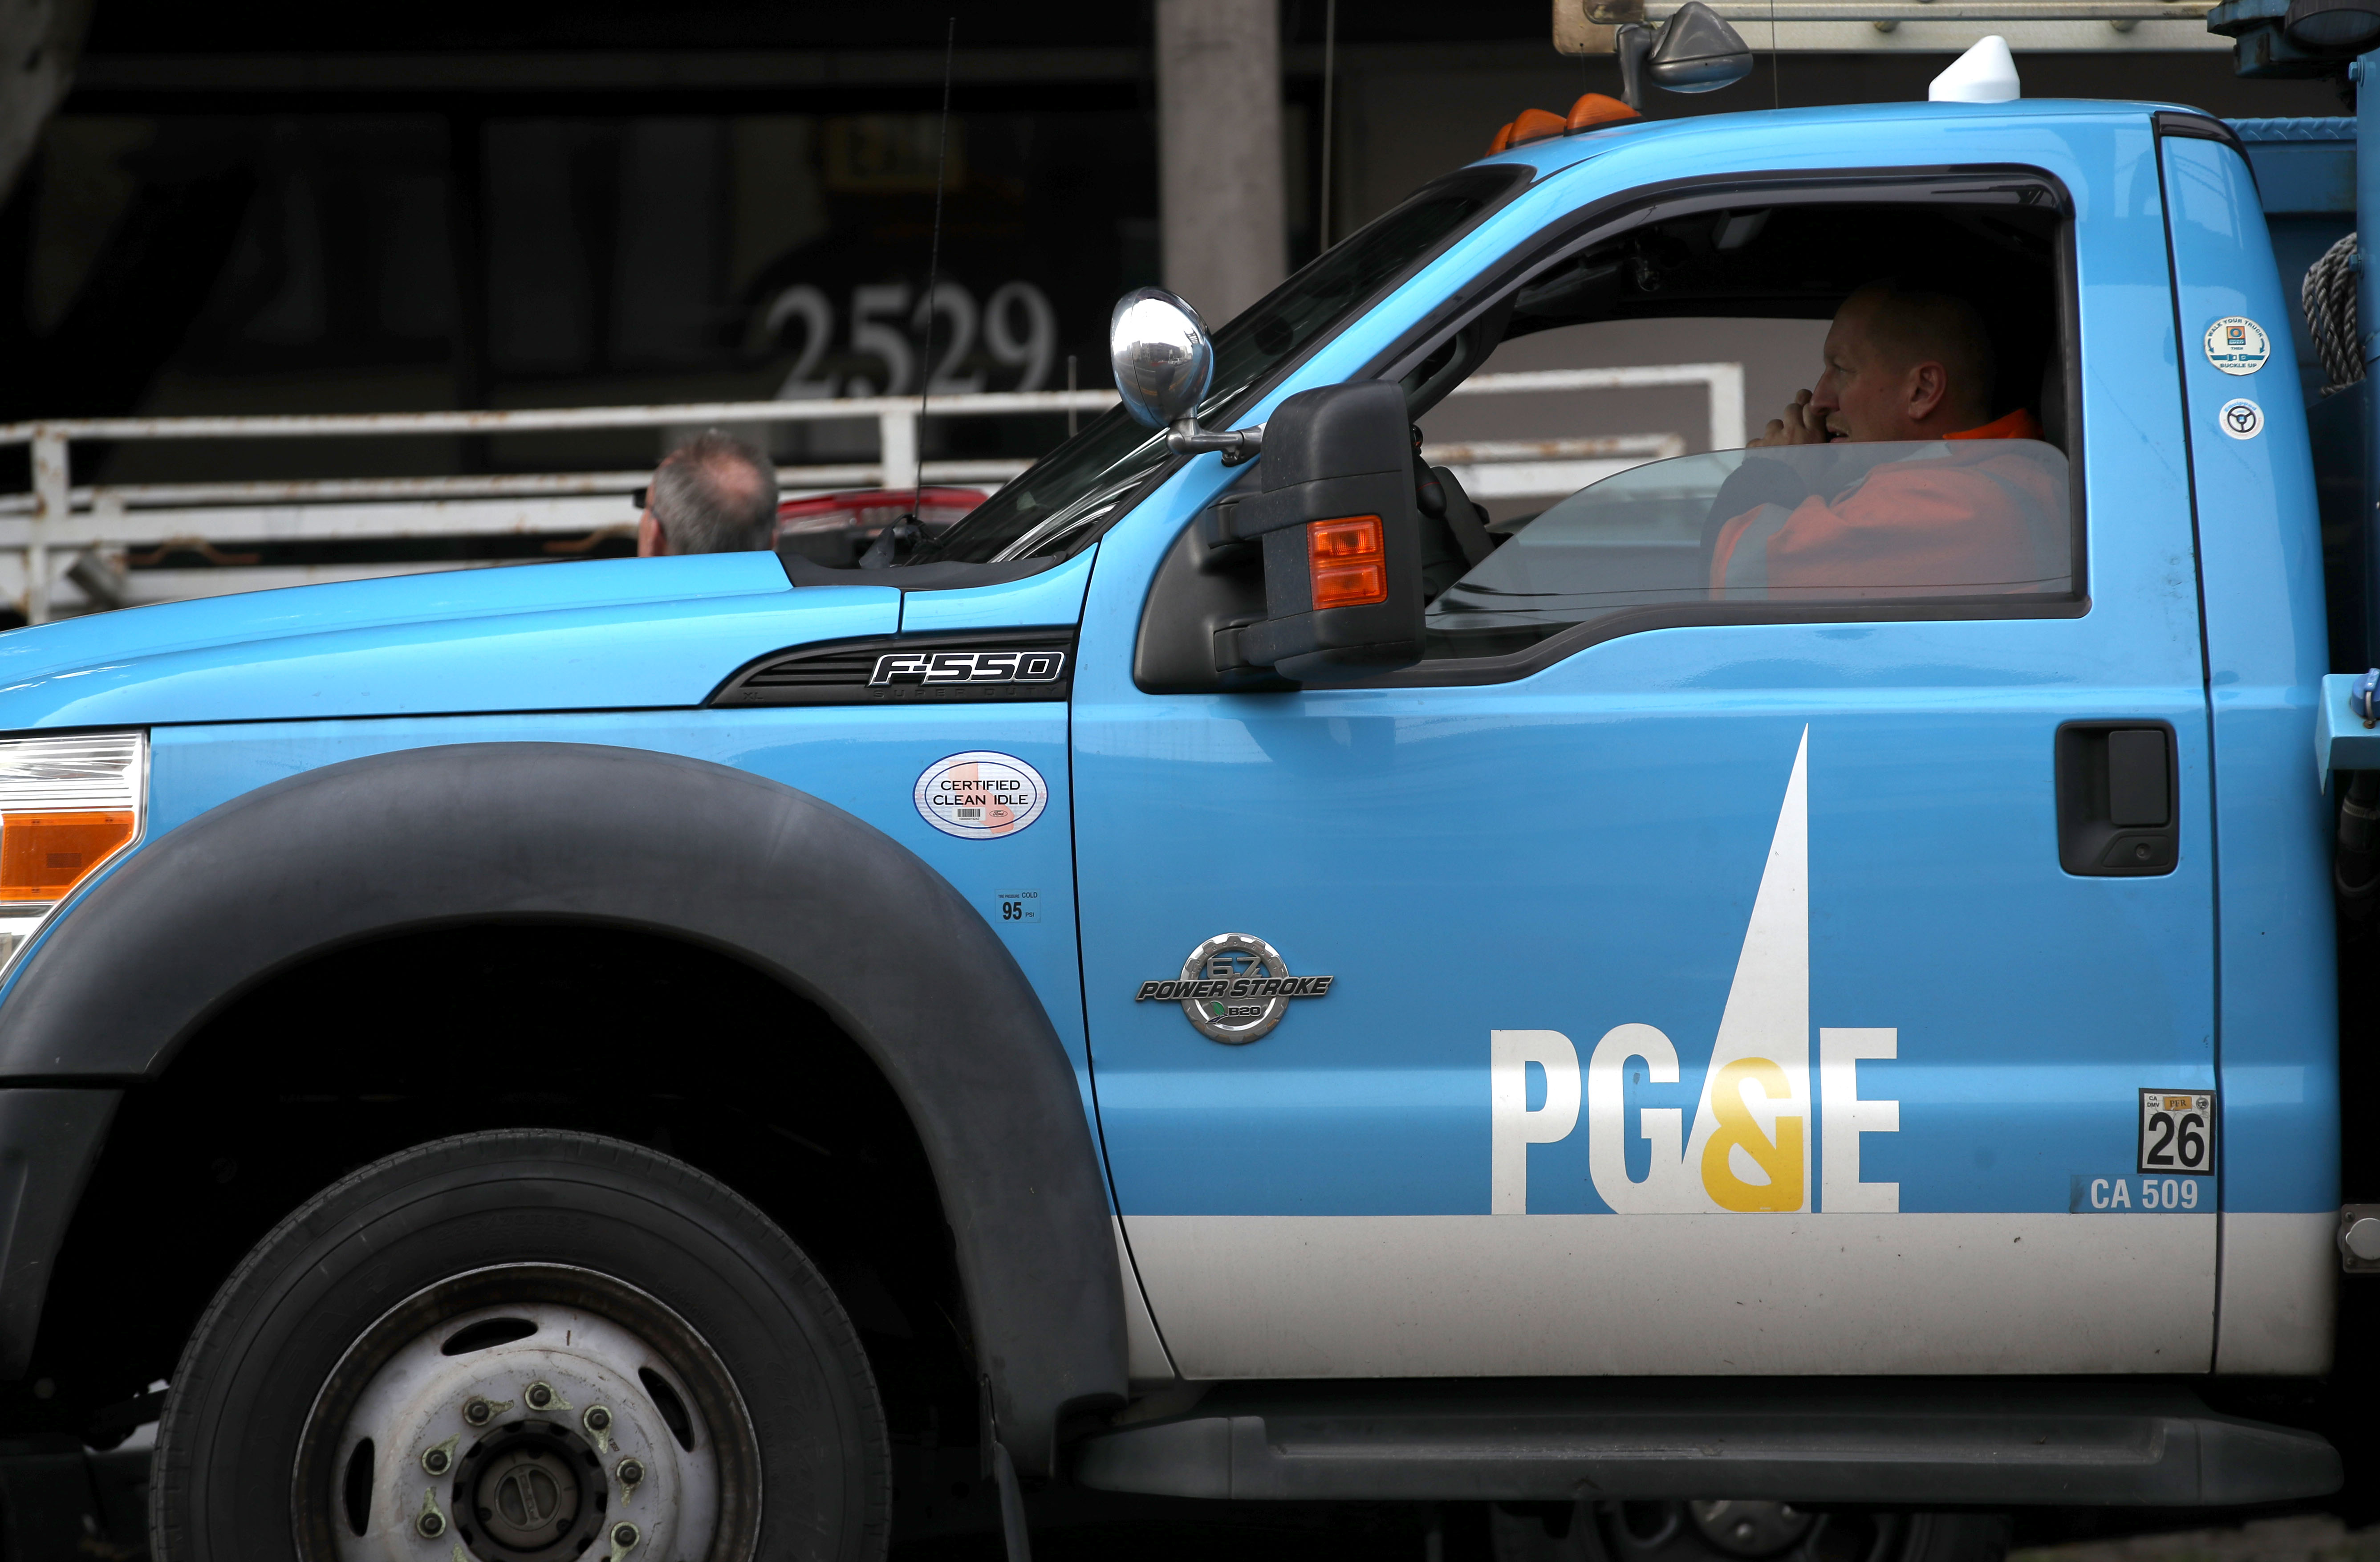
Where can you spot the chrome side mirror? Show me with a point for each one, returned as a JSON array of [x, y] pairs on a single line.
[[1163, 361], [1698, 52], [1164, 364], [1695, 51]]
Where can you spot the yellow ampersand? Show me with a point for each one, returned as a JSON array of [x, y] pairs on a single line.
[[1781, 1161]]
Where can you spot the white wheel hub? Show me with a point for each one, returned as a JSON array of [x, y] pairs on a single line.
[[549, 1434]]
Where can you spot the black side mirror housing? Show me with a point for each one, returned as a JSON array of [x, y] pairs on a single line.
[[1336, 516]]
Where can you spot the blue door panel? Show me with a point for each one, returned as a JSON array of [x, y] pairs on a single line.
[[2266, 650], [1584, 849], [1987, 959]]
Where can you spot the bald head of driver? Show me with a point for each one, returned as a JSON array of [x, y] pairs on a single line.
[[1900, 363]]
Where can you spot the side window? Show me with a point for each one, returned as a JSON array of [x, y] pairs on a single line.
[[1910, 358], [1847, 523]]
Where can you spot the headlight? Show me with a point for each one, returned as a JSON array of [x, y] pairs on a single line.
[[67, 806]]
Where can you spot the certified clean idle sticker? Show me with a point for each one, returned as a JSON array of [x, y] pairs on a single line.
[[980, 795], [2241, 419], [2177, 1133], [2235, 345], [1234, 988]]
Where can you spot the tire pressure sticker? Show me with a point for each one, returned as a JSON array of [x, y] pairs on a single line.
[[2241, 419], [980, 796], [2235, 345], [2176, 1132]]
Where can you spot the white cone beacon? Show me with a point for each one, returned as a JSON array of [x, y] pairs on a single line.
[[1985, 73]]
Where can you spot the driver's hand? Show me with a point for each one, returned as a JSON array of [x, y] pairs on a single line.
[[1801, 424]]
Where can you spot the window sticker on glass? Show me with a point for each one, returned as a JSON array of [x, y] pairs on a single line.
[[2177, 1133]]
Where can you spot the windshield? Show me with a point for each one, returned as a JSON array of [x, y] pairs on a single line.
[[1820, 523], [1072, 494]]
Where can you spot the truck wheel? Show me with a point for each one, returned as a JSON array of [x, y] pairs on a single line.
[[1736, 1531], [523, 1345], [1744, 1531]]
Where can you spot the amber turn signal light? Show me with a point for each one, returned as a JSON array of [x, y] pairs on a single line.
[[44, 855], [1350, 562], [69, 805]]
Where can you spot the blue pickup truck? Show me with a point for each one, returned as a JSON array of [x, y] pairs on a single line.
[[1236, 972]]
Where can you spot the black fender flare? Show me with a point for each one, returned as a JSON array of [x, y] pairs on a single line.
[[792, 886]]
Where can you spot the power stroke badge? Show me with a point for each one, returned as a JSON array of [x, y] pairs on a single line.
[[1234, 988]]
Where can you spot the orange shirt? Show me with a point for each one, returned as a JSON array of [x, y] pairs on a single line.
[[1958, 522]]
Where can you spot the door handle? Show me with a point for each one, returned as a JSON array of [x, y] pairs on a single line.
[[2118, 798]]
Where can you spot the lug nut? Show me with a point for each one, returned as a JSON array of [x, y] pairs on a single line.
[[629, 1472], [436, 1460], [431, 1524], [539, 1395], [477, 1411], [597, 1419], [624, 1535]]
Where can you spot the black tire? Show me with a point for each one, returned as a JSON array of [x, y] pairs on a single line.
[[372, 1251], [1737, 1531]]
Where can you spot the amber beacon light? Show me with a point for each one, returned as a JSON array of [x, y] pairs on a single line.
[[1349, 561], [67, 805]]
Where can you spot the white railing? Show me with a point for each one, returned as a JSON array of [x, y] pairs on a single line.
[[60, 528]]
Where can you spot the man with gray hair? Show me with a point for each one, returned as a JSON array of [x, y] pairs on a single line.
[[713, 495]]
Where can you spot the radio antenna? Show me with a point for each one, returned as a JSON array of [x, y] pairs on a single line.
[[1775, 62], [894, 542], [1330, 71], [934, 252]]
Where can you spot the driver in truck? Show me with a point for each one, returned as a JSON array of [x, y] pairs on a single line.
[[1908, 367]]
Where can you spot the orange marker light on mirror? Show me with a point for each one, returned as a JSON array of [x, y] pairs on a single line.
[[1349, 561], [68, 806]]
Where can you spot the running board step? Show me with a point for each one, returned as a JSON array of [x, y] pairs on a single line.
[[1905, 1444]]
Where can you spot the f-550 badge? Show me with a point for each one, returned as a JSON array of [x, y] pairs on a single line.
[[1235, 988], [967, 666]]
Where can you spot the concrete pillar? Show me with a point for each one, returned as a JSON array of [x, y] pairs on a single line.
[[1222, 222]]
